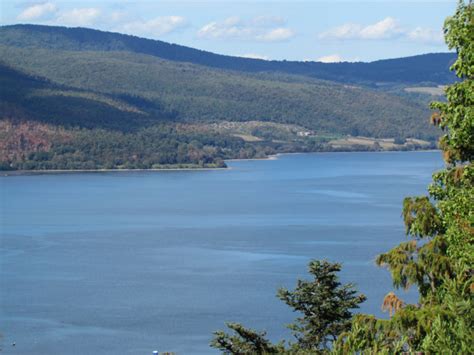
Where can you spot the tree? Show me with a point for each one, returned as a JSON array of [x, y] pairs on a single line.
[[324, 304], [245, 341], [439, 258]]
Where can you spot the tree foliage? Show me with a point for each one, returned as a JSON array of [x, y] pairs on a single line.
[[439, 258], [244, 341], [324, 305], [422, 68]]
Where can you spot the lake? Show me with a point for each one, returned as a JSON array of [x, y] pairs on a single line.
[[130, 262]]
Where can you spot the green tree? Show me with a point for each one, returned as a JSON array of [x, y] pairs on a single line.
[[439, 258], [324, 304], [244, 341]]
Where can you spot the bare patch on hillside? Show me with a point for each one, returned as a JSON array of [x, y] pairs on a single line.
[[430, 90], [18, 139], [378, 143]]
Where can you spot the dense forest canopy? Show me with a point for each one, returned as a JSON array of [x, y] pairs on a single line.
[[189, 93], [431, 68], [106, 85]]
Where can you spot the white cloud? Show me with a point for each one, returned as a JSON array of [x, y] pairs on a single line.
[[78, 17], [388, 28], [332, 58], [155, 27], [255, 56], [37, 11], [262, 28], [230, 27], [427, 35], [277, 34], [335, 58]]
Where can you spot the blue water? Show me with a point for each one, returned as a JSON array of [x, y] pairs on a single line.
[[130, 262]]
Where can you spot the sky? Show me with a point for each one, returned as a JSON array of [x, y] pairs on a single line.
[[329, 31]]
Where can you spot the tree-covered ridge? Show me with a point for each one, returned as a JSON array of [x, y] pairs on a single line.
[[185, 92], [432, 68], [438, 259], [48, 126], [102, 87]]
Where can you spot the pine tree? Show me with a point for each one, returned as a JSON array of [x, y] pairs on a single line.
[[324, 304]]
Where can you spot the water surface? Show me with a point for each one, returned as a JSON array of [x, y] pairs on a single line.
[[130, 262]]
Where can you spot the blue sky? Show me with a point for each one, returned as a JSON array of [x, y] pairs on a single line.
[[293, 30]]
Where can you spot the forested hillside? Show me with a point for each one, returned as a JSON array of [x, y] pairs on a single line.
[[430, 68], [120, 88], [185, 92]]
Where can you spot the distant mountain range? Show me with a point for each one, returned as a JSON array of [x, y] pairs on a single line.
[[427, 68], [73, 82]]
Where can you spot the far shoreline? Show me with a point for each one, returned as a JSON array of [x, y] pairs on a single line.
[[276, 156], [73, 171]]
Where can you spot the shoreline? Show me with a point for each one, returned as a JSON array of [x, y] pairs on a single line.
[[277, 155], [66, 171], [270, 157]]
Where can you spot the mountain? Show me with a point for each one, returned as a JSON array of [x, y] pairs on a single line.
[[144, 103], [427, 68]]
